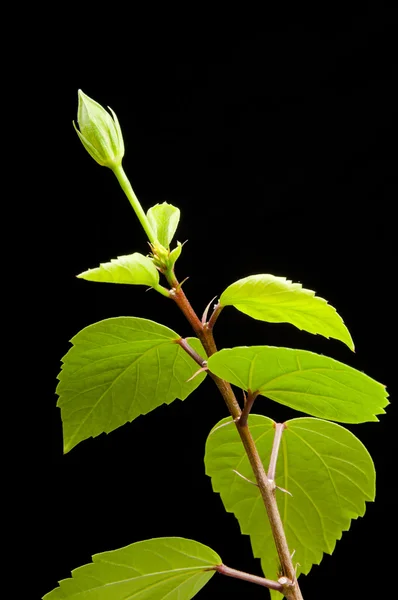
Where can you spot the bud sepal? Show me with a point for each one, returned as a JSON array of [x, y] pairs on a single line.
[[163, 258]]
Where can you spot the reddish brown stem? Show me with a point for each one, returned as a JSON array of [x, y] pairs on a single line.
[[250, 398], [192, 353], [214, 316], [178, 295], [266, 487], [268, 583]]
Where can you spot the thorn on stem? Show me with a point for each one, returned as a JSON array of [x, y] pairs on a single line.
[[206, 310], [179, 286], [201, 370], [284, 491], [245, 478]]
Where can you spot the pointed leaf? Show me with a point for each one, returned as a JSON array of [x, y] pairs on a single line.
[[118, 369], [328, 471], [164, 220], [278, 300], [175, 254], [172, 568], [135, 269], [306, 381]]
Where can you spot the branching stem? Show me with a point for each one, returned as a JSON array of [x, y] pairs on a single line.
[[192, 353], [268, 583], [266, 487], [214, 316], [249, 401]]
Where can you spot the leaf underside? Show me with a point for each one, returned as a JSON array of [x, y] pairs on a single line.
[[118, 369], [156, 569], [134, 269], [279, 300], [314, 384], [328, 471]]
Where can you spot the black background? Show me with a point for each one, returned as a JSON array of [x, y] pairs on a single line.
[[278, 144]]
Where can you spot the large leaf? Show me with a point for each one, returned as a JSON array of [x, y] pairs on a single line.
[[278, 300], [308, 382], [164, 220], [172, 568], [328, 471], [118, 369], [135, 269]]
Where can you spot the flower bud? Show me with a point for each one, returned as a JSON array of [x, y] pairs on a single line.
[[99, 133]]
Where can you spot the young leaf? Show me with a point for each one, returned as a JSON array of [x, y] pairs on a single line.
[[118, 369], [156, 569], [164, 220], [306, 381], [278, 300], [328, 471], [135, 269]]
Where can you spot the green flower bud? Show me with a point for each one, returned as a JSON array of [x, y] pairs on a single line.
[[99, 133]]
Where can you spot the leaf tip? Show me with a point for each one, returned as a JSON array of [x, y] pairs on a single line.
[[83, 274], [68, 445]]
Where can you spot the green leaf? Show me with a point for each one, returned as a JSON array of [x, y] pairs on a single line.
[[118, 369], [278, 300], [175, 254], [135, 269], [164, 220], [173, 568], [308, 382], [328, 471]]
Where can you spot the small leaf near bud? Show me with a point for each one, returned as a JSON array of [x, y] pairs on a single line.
[[164, 220]]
